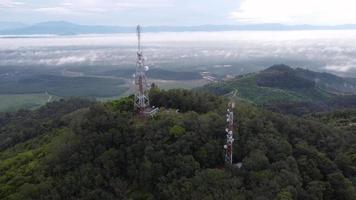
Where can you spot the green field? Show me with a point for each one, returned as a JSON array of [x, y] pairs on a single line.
[[10, 103], [30, 89], [63, 86], [103, 90], [33, 91]]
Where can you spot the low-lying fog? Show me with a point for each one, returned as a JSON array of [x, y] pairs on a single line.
[[219, 52]]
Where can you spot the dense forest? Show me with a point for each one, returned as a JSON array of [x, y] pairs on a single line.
[[80, 149]]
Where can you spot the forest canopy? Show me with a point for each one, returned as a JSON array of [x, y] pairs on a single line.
[[79, 149]]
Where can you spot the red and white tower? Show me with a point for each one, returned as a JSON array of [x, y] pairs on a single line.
[[142, 101], [229, 133], [230, 130]]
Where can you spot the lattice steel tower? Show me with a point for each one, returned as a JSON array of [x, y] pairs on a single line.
[[142, 101]]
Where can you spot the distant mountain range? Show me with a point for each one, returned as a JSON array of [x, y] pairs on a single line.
[[68, 28]]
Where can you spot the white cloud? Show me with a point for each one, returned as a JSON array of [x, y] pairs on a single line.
[[321, 12], [67, 4], [71, 60], [10, 3], [332, 51], [65, 10], [82, 7], [339, 68], [57, 10], [128, 4]]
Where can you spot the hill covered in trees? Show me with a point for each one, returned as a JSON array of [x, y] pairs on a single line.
[[291, 91], [78, 149]]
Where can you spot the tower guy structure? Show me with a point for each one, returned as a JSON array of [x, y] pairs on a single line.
[[230, 131], [142, 102]]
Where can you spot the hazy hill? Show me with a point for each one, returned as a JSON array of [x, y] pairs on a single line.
[[77, 149], [282, 88], [63, 28], [283, 76], [68, 28]]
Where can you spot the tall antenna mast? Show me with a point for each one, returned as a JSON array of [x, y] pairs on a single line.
[[230, 130], [138, 31], [141, 98]]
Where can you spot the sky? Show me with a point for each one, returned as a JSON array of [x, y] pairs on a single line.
[[180, 12]]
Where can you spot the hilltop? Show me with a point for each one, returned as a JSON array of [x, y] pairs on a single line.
[[79, 149], [298, 91]]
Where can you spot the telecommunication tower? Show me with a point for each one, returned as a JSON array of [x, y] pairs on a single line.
[[142, 102], [230, 131]]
